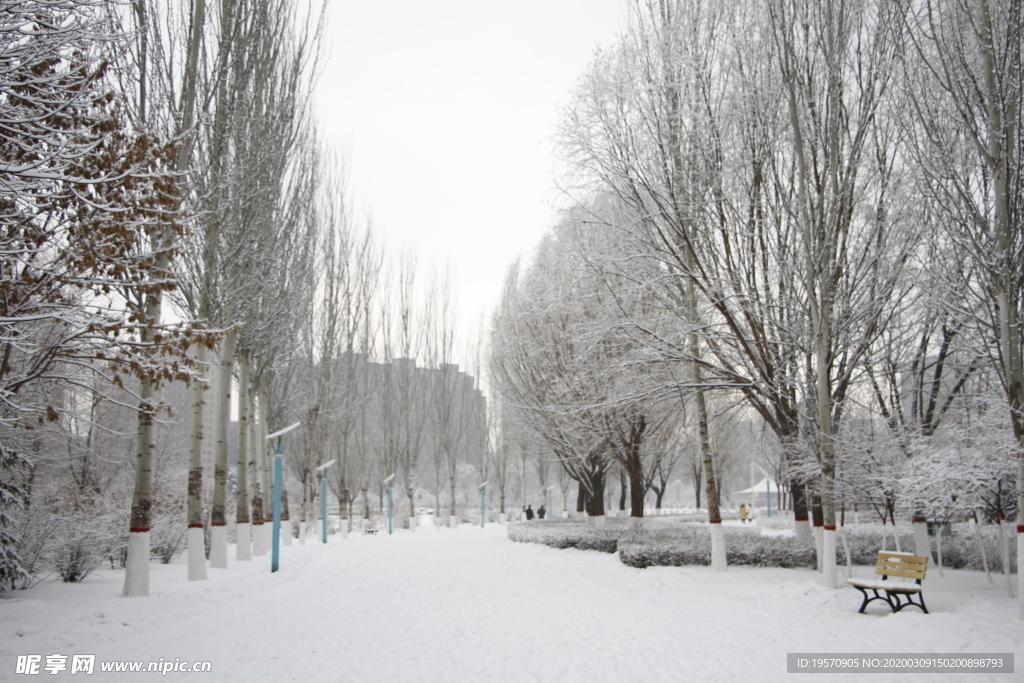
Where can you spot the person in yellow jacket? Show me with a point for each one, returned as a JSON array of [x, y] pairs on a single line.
[[743, 514]]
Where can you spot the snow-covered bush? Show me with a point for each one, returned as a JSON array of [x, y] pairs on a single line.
[[13, 498], [567, 534], [170, 529], [680, 544], [690, 544], [84, 529]]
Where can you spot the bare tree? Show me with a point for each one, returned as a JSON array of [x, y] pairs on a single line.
[[964, 77]]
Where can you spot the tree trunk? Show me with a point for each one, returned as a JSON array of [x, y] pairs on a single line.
[[595, 497], [256, 477], [196, 532], [818, 522], [243, 530], [136, 582], [218, 517], [286, 521], [136, 579]]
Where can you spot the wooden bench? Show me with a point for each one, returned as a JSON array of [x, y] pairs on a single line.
[[901, 566], [369, 531]]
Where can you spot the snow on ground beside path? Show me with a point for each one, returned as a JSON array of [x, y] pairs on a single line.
[[470, 605]]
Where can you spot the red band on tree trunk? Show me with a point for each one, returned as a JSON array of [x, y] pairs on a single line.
[[829, 528], [716, 521], [919, 520], [219, 524], [196, 526], [801, 518], [1020, 528], [138, 530]]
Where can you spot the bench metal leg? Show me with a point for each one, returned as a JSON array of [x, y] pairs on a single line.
[[897, 605], [871, 598]]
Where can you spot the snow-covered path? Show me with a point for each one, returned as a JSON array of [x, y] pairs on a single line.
[[470, 605]]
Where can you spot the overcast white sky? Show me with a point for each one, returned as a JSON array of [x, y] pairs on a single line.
[[446, 110]]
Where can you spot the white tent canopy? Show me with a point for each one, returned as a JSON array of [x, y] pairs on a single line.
[[757, 495]]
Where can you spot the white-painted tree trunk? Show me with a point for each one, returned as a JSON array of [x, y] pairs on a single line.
[[502, 519], [136, 583], [846, 550], [302, 532], [194, 517], [286, 532], [243, 534], [828, 543], [718, 562], [922, 545], [218, 515], [636, 523], [219, 546], [802, 529], [1020, 565], [453, 521], [243, 542], [258, 550], [344, 527], [196, 554], [981, 549], [596, 521], [819, 547], [1004, 544]]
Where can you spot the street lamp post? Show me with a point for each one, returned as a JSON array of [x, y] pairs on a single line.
[[278, 485], [323, 499], [387, 482]]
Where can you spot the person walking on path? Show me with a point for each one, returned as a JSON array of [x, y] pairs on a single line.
[[540, 512], [743, 514], [529, 513]]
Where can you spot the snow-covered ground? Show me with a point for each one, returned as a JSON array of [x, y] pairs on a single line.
[[470, 605]]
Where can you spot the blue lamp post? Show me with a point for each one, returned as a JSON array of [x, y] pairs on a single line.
[[322, 470], [278, 484], [387, 483]]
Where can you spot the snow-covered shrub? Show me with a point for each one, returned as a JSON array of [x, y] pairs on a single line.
[[567, 534], [13, 498], [675, 543], [85, 529], [35, 531], [170, 528], [690, 544]]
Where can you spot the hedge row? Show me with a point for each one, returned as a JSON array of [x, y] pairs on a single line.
[[670, 542]]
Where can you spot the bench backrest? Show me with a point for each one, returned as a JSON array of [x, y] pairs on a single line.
[[902, 565]]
